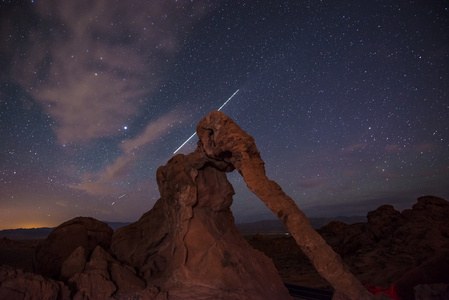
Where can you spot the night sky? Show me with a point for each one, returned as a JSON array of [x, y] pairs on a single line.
[[347, 101]]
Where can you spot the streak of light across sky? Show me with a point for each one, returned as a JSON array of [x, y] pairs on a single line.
[[195, 132], [228, 99]]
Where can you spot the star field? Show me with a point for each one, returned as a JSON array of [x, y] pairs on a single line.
[[348, 102]]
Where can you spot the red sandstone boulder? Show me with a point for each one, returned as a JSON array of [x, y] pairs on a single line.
[[105, 278], [64, 239], [75, 263]]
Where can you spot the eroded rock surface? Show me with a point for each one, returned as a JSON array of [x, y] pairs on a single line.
[[402, 249], [106, 278], [188, 244], [64, 239], [75, 263], [16, 284]]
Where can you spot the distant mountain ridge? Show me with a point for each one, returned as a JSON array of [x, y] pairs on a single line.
[[263, 226], [276, 226]]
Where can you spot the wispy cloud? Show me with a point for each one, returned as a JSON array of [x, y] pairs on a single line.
[[104, 181], [99, 59], [96, 187]]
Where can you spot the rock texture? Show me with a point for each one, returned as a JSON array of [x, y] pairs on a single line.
[[106, 278], [188, 244], [75, 263], [64, 239], [393, 248], [16, 284]]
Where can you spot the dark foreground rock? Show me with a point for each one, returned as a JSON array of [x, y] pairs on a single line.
[[400, 248], [84, 232], [16, 284]]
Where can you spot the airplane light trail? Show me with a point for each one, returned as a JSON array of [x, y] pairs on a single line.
[[228, 99], [195, 132], [185, 142]]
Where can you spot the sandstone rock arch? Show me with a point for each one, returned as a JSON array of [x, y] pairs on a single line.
[[223, 140]]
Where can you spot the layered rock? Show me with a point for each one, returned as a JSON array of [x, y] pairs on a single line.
[[63, 240]]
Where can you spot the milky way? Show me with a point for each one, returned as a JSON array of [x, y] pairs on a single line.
[[347, 101]]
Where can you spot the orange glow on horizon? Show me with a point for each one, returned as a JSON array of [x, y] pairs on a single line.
[[34, 225], [28, 225]]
